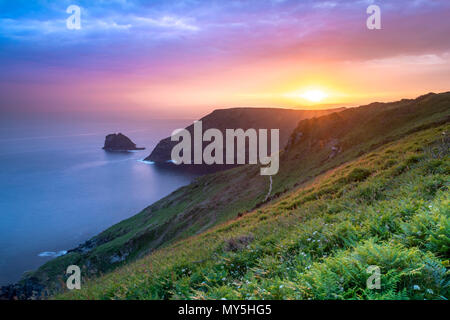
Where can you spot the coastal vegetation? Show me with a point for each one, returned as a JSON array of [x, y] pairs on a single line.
[[362, 187]]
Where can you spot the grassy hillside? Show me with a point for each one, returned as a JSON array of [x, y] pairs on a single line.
[[321, 168], [389, 208], [367, 186]]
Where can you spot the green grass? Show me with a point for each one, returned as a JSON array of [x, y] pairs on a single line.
[[389, 207], [342, 164]]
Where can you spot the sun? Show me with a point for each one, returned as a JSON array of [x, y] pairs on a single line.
[[314, 95], [311, 95]]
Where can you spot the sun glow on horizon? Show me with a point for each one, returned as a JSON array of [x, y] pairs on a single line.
[[314, 95], [310, 95]]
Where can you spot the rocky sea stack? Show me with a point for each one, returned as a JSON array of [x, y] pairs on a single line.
[[119, 142]]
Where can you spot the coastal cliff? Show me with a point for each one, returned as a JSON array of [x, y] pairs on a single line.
[[240, 118]]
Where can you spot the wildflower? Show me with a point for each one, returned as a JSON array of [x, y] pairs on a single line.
[[416, 287]]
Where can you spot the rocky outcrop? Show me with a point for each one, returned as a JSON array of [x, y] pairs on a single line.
[[28, 289], [119, 142]]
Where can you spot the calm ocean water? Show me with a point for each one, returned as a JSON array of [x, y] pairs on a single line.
[[58, 187]]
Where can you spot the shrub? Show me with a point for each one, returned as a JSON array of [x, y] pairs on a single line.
[[430, 228], [404, 271], [238, 243], [358, 174]]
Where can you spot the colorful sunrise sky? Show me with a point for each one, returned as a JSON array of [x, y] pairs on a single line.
[[186, 57]]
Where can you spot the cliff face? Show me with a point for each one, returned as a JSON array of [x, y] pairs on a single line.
[[119, 142], [241, 118]]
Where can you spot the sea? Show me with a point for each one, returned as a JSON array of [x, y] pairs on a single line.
[[58, 188]]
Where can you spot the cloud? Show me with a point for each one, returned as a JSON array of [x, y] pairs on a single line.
[[177, 38], [409, 60], [169, 22], [325, 4], [33, 29]]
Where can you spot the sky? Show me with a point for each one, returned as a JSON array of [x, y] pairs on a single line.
[[184, 58]]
